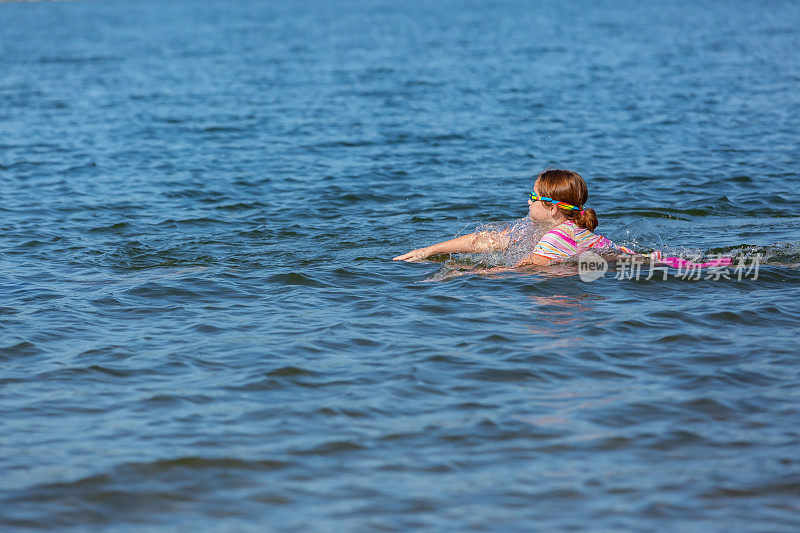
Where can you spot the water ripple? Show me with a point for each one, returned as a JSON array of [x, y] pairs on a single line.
[[200, 320]]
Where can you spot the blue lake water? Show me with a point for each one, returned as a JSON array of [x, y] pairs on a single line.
[[201, 325]]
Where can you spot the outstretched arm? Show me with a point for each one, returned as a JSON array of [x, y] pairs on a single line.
[[474, 242]]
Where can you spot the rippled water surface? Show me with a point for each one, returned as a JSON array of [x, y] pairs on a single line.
[[201, 325]]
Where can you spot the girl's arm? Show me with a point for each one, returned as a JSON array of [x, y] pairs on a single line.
[[534, 260], [531, 260], [547, 251], [472, 243]]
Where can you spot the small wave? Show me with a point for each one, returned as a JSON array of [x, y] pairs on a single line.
[[341, 144], [93, 370], [650, 213], [194, 462], [334, 447], [45, 60], [8, 311], [113, 228], [503, 375], [138, 255], [240, 206], [348, 199], [200, 221], [22, 164], [219, 129], [20, 349], [157, 291], [30, 245], [423, 83], [785, 487], [786, 254], [295, 278], [127, 491], [196, 192], [290, 371], [349, 413]]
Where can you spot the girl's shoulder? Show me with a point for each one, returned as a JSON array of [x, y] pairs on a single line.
[[559, 242], [567, 229]]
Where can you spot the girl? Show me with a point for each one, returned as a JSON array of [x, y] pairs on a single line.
[[557, 200]]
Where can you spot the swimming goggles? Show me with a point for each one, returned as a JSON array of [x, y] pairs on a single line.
[[562, 205]]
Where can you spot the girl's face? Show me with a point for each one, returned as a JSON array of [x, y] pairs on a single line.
[[540, 211]]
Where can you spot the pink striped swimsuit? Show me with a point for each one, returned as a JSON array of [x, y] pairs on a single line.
[[567, 240]]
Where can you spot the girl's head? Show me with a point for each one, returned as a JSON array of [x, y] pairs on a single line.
[[562, 186]]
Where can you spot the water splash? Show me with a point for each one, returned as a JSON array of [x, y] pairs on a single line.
[[639, 235], [513, 240], [509, 241], [780, 254]]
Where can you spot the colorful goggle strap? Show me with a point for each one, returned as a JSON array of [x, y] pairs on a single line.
[[562, 205]]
